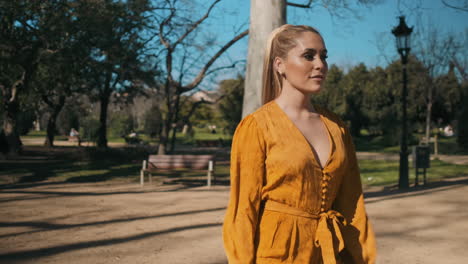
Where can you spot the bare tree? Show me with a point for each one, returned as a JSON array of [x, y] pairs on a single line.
[[456, 4], [436, 50], [181, 54]]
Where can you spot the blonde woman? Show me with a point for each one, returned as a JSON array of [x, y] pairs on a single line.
[[296, 194]]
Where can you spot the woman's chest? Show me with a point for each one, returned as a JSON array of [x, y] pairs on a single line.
[[290, 157]]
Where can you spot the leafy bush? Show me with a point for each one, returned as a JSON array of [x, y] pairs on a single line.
[[89, 129], [68, 118], [152, 122], [462, 137], [120, 125], [25, 121]]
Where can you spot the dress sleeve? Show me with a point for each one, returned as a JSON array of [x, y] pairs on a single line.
[[247, 177], [358, 234]]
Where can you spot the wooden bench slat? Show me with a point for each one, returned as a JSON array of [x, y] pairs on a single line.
[[167, 162]]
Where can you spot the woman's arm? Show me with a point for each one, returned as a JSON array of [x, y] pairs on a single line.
[[358, 234], [247, 177]]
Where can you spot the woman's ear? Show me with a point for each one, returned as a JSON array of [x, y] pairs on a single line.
[[279, 65]]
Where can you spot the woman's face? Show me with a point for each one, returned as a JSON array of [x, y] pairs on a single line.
[[305, 66]]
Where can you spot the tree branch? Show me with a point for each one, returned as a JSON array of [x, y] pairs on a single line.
[[300, 5], [224, 67], [195, 25], [14, 87], [464, 9], [460, 69], [203, 71], [161, 29]]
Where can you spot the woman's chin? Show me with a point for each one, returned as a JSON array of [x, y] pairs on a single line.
[[314, 89]]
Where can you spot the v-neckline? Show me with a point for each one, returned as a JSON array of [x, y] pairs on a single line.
[[311, 147]]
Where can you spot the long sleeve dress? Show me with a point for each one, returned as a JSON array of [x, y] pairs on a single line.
[[284, 207]]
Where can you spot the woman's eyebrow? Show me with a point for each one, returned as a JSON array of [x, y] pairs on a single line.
[[312, 50]]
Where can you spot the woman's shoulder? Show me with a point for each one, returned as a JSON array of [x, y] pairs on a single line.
[[258, 115], [257, 120]]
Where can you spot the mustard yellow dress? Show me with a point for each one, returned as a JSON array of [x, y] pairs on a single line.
[[284, 207]]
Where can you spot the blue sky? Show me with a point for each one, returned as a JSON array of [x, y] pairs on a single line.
[[350, 40], [353, 40]]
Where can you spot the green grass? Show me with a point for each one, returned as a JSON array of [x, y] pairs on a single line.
[[72, 164], [380, 172], [34, 133], [447, 146]]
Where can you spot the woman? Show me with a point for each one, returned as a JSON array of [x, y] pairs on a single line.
[[296, 194]]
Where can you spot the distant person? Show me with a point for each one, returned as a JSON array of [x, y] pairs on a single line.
[[75, 135], [448, 131], [296, 194], [133, 135]]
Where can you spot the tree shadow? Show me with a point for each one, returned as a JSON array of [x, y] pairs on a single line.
[[392, 192], [49, 251], [46, 226]]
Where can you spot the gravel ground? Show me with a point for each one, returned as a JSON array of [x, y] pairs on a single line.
[[121, 222]]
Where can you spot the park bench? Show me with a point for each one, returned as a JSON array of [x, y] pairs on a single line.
[[210, 143], [132, 140], [160, 163], [73, 138]]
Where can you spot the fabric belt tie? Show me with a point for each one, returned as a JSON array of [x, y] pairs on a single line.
[[323, 237]]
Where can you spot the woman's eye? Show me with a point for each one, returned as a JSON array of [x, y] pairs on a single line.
[[308, 57], [324, 57]]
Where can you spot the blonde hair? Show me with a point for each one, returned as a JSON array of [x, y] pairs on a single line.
[[280, 41]]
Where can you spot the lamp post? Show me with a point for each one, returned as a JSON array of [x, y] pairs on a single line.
[[402, 33]]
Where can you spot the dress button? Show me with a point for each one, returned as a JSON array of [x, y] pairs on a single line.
[[324, 184], [322, 209], [323, 197], [324, 190], [323, 202]]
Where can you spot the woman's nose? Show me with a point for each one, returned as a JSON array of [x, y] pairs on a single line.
[[319, 64]]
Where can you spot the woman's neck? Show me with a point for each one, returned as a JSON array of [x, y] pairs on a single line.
[[295, 102]]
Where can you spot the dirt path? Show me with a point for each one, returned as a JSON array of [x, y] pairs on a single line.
[[120, 222]]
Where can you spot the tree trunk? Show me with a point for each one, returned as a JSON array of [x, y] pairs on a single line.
[[51, 124], [265, 15], [163, 137], [167, 121], [9, 128], [176, 117], [428, 114], [102, 132]]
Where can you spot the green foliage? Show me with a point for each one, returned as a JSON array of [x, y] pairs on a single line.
[[448, 98], [230, 106], [89, 129], [462, 137], [152, 122], [25, 121], [68, 118], [120, 125], [203, 115], [354, 84], [332, 95]]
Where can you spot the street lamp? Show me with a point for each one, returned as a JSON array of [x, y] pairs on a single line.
[[402, 33]]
